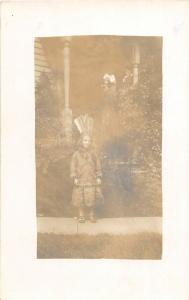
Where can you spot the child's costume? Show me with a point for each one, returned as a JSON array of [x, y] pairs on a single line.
[[86, 168]]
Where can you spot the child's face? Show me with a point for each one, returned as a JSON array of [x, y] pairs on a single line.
[[86, 141]]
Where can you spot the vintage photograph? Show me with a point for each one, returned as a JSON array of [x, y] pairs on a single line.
[[98, 134]]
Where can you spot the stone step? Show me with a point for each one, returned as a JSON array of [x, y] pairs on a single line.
[[129, 225]]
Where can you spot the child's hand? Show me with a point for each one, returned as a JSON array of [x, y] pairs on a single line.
[[98, 181], [76, 181]]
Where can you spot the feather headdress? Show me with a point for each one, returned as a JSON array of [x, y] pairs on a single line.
[[84, 124]]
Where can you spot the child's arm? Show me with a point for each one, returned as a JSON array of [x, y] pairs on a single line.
[[98, 170], [73, 166]]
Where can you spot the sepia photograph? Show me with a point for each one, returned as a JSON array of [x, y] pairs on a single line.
[[95, 150], [98, 146]]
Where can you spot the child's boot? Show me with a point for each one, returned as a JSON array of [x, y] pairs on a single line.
[[81, 218], [92, 217]]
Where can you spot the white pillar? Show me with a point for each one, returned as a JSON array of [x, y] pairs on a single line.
[[66, 53], [136, 62], [67, 112]]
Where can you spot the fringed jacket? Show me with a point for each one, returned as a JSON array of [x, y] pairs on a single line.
[[85, 166]]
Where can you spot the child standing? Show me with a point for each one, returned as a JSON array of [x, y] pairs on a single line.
[[86, 175]]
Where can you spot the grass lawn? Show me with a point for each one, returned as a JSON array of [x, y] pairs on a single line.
[[135, 246]]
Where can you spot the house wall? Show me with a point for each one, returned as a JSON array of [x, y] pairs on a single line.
[[41, 64]]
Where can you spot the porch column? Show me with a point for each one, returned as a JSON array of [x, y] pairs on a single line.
[[136, 62], [67, 112]]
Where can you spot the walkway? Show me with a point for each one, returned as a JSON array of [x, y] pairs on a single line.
[[129, 225]]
